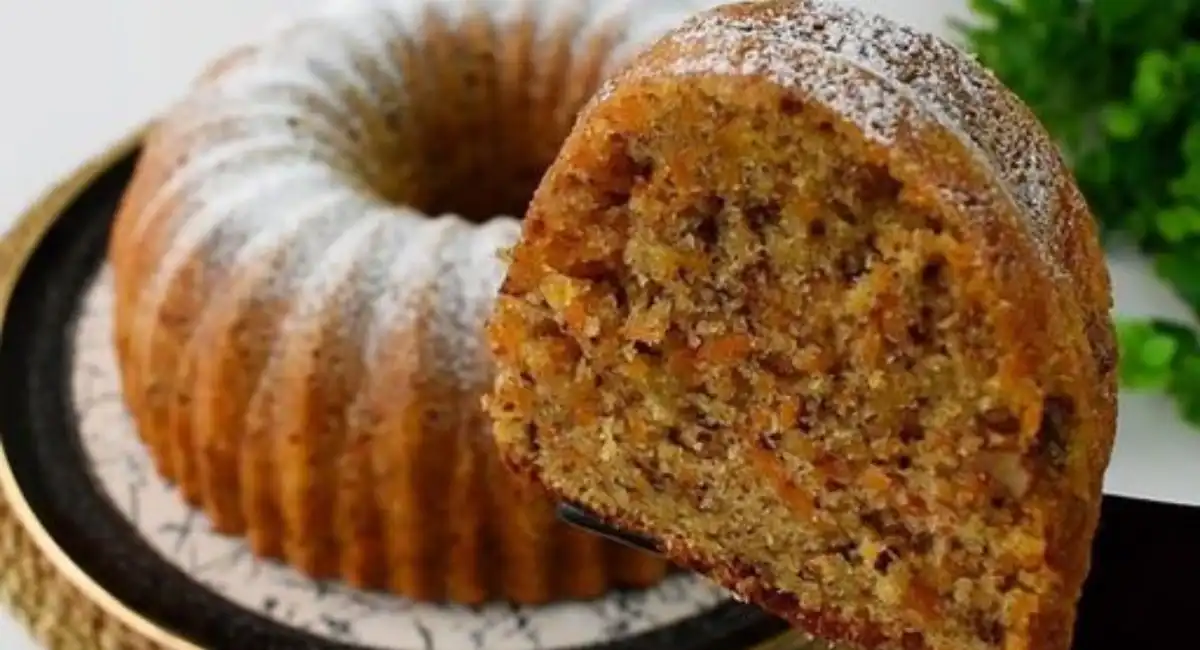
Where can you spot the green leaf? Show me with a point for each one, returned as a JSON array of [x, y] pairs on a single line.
[[1179, 223], [1154, 74], [1147, 355], [1187, 187], [1122, 122]]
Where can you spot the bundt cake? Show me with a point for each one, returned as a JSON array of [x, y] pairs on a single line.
[[810, 299], [303, 264]]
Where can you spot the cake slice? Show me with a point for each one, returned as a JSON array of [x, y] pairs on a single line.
[[812, 300]]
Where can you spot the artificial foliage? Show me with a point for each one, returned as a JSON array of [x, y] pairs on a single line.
[[1117, 82]]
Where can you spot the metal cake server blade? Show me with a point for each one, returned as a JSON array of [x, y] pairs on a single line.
[[580, 517]]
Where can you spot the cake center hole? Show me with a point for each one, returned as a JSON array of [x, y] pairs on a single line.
[[480, 128]]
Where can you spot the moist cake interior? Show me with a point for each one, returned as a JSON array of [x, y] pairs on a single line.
[[752, 336]]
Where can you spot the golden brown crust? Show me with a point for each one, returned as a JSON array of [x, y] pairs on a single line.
[[385, 479], [964, 148]]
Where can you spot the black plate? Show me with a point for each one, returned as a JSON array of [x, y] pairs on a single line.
[[1140, 593]]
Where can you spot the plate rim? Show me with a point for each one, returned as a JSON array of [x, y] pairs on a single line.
[[16, 247]]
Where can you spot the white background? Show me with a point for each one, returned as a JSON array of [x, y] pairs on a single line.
[[80, 74]]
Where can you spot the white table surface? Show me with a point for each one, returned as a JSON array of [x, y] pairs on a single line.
[[80, 74]]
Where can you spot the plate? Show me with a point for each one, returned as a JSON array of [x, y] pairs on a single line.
[[88, 490]]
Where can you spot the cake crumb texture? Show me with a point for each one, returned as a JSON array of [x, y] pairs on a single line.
[[812, 299]]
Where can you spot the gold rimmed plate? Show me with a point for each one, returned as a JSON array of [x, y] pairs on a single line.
[[88, 502]]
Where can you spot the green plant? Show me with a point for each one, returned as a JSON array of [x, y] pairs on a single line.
[[1117, 82]]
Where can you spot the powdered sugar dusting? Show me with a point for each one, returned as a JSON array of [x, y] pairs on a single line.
[[273, 227], [883, 77], [280, 158]]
